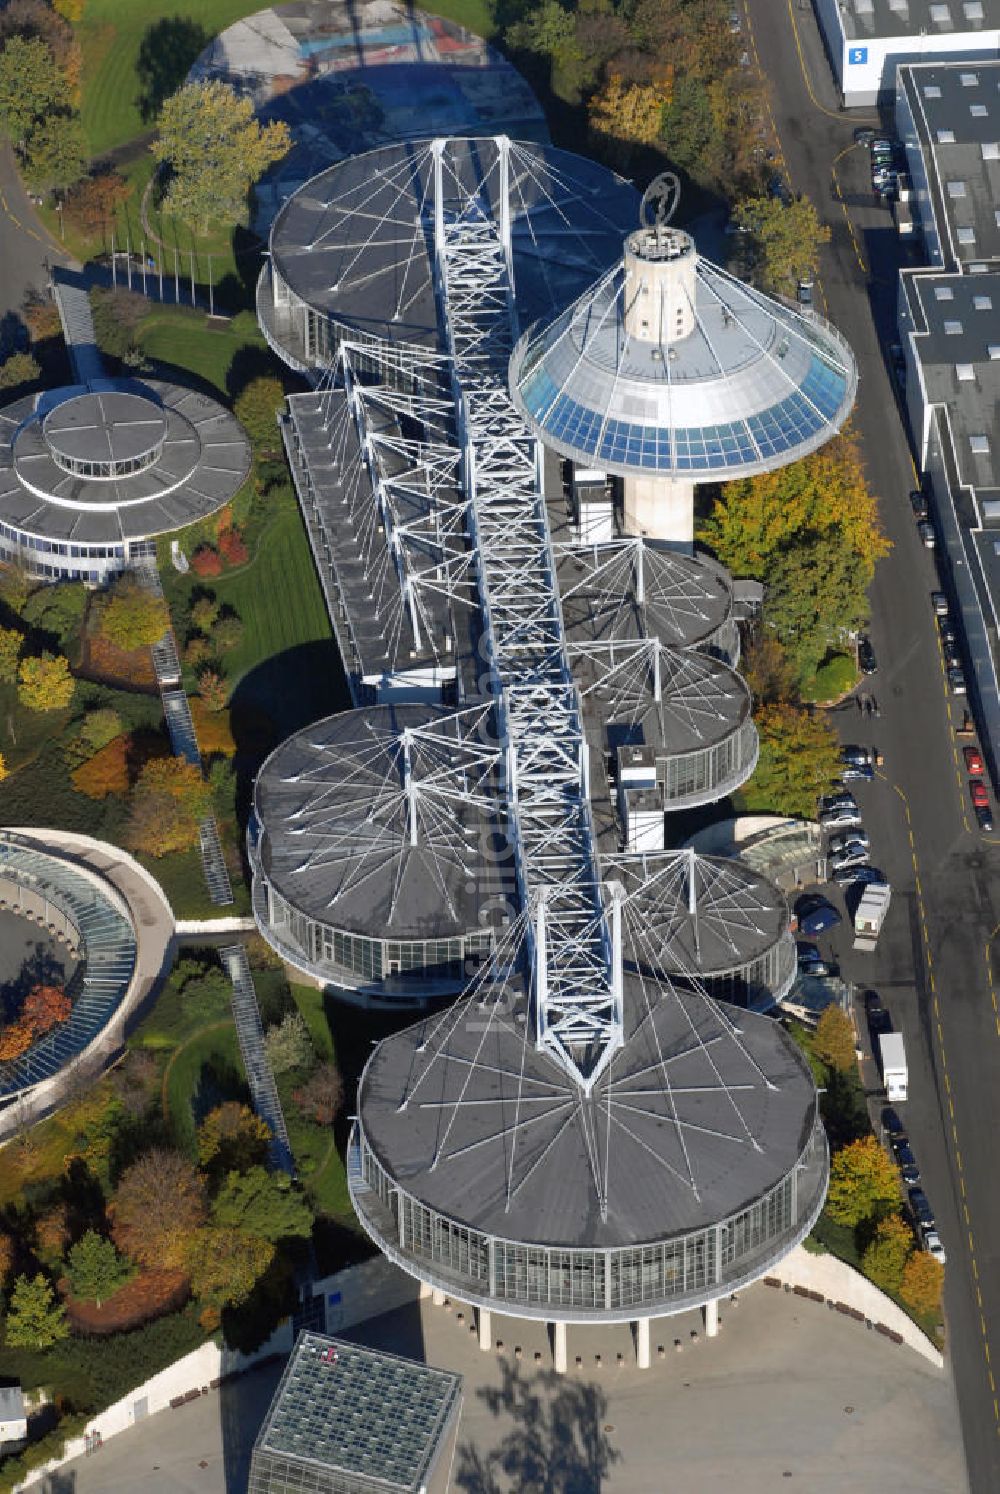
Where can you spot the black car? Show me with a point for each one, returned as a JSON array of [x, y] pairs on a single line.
[[855, 755], [858, 773], [864, 136], [867, 662], [908, 1168], [984, 816], [891, 1122], [920, 1204], [919, 504]]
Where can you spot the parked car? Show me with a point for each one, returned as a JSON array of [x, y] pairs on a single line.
[[815, 914], [891, 1121], [984, 817], [932, 1244], [845, 838], [973, 762], [840, 799], [811, 962], [854, 854], [841, 818], [928, 537], [940, 604], [804, 295], [857, 755], [952, 655], [735, 24], [956, 679], [867, 662], [978, 793], [858, 773], [907, 1162], [897, 1142], [864, 136], [919, 503], [867, 876], [879, 1020], [922, 1211]]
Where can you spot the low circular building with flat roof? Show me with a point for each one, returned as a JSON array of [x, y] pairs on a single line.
[[90, 474], [379, 850]]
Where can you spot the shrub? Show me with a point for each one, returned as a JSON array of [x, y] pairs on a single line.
[[10, 648], [19, 370], [232, 1139], [213, 689], [834, 1039], [289, 1045], [45, 683], [45, 1007], [257, 411], [886, 1256], [58, 609], [16, 1038], [169, 802], [136, 1081], [97, 729], [134, 617], [106, 773], [147, 1295], [35, 1320], [864, 1183], [117, 314], [206, 561], [922, 1283], [213, 730], [322, 1095], [52, 1233], [227, 633], [198, 651], [204, 613], [6, 1256]]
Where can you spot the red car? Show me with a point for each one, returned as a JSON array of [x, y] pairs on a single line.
[[980, 798], [973, 761]]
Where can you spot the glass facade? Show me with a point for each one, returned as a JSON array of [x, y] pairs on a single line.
[[353, 959], [656, 1278], [798, 419], [709, 772], [58, 560]]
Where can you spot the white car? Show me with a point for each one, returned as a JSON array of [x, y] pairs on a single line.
[[932, 1244], [840, 819], [854, 837]]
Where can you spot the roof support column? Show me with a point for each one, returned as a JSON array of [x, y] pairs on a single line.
[[642, 1343], [559, 1348]]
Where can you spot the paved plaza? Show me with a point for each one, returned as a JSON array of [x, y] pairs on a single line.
[[789, 1395]]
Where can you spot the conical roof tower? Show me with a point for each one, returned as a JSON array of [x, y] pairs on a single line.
[[669, 371]]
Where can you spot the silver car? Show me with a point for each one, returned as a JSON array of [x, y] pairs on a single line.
[[854, 837], [840, 819]]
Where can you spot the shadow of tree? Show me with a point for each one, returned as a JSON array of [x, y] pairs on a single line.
[[557, 1444], [166, 52]]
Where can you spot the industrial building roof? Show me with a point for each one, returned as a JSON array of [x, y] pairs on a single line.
[[752, 386], [866, 20], [360, 1413], [694, 1118], [117, 459], [357, 242], [381, 821]]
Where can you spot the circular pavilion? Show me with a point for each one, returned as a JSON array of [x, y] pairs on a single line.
[[90, 474]]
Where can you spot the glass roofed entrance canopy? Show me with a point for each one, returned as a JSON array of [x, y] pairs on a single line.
[[669, 371]]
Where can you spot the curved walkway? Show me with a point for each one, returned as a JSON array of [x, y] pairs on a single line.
[[153, 924]]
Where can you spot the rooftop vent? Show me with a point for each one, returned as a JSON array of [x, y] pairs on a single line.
[[956, 189], [944, 293], [932, 91], [946, 137], [965, 373], [968, 80], [953, 329], [966, 235], [991, 150], [978, 111], [940, 15], [973, 10], [979, 445], [994, 352], [983, 303]]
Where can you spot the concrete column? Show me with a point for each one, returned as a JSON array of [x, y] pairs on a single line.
[[661, 508], [711, 1318], [485, 1324], [559, 1355], [425, 1290], [642, 1343], [437, 1296]]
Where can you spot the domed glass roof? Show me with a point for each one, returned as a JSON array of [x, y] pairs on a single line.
[[749, 386]]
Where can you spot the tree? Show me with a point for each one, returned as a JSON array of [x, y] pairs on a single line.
[[226, 1266], [16, 1038], [35, 1319], [257, 409], [18, 370], [864, 1183], [232, 1138], [136, 1081], [206, 561], [784, 240], [134, 617], [798, 761], [213, 730], [10, 649], [56, 152], [262, 1203], [227, 633], [624, 117], [691, 134], [45, 683], [213, 689], [52, 1234], [886, 1256], [94, 203], [922, 1282], [15, 583], [106, 773], [232, 547], [30, 86], [57, 608], [94, 1268], [215, 149], [834, 1039], [169, 802], [6, 1256], [322, 1095], [70, 10], [45, 1007], [289, 1045], [158, 1206], [816, 598], [768, 670], [204, 612]]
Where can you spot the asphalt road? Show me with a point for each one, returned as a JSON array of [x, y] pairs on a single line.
[[24, 242], [932, 967]]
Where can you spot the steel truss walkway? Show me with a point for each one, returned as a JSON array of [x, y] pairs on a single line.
[[577, 981]]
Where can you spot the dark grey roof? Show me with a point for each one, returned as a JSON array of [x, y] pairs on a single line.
[[867, 20], [339, 824], [361, 1413], [189, 452], [704, 915], [704, 1117], [357, 241]]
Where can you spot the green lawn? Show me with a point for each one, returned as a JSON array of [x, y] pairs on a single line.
[[205, 1071], [183, 338], [312, 1005]]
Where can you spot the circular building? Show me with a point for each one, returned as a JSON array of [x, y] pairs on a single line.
[[379, 848], [668, 371], [696, 1161], [347, 77], [352, 253], [713, 924], [90, 474]]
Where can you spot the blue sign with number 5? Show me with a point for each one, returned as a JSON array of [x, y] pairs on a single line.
[[856, 55]]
